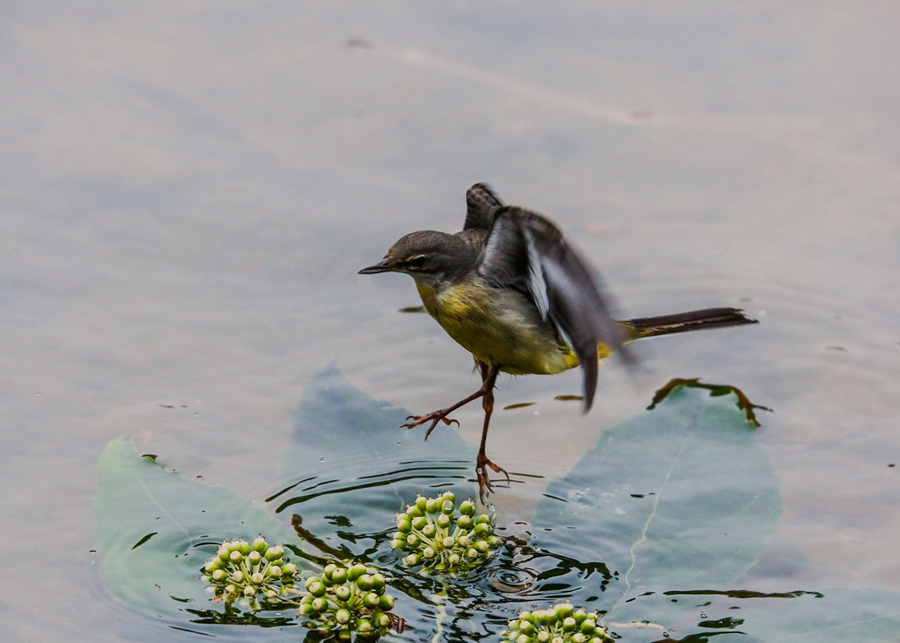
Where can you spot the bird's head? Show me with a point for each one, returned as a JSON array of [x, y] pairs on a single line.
[[427, 255]]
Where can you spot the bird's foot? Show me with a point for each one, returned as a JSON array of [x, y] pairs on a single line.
[[484, 482], [434, 418]]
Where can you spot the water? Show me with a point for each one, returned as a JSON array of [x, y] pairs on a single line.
[[188, 193]]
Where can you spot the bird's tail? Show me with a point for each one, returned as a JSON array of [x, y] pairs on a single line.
[[683, 322]]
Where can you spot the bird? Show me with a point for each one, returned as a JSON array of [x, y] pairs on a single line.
[[511, 290]]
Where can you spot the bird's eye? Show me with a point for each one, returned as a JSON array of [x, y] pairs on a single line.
[[417, 262]]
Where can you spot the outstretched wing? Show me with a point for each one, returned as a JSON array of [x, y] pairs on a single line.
[[526, 251], [481, 206]]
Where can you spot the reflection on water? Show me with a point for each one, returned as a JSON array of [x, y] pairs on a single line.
[[187, 195], [654, 530]]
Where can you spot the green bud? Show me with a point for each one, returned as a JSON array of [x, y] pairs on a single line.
[[254, 557], [249, 590], [396, 544], [527, 628], [274, 571], [363, 626], [237, 576], [419, 522], [421, 503], [432, 506], [317, 588], [412, 540], [482, 547], [365, 582], [274, 553], [443, 521], [447, 508], [356, 571], [260, 545], [465, 522], [463, 540], [342, 592], [230, 589], [371, 600], [428, 531], [289, 568], [257, 578], [244, 547], [212, 565], [564, 610], [236, 556], [588, 626], [448, 497], [378, 581], [328, 570], [404, 525], [467, 508], [472, 553], [482, 519], [569, 624], [483, 529], [412, 560], [339, 576], [386, 602], [578, 637], [448, 542], [219, 574], [342, 616], [413, 511], [453, 560], [428, 552], [381, 620], [319, 604]]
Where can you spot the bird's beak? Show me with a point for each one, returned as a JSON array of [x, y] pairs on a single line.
[[381, 266]]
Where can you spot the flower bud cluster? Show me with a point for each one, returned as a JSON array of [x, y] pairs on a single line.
[[559, 624], [255, 573], [437, 539], [348, 599]]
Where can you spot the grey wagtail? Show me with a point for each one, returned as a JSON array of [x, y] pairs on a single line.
[[511, 291]]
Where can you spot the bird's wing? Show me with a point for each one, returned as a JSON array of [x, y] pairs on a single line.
[[481, 205], [525, 249]]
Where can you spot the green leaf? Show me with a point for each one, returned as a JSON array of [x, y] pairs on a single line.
[[350, 466], [155, 529], [682, 496], [659, 523]]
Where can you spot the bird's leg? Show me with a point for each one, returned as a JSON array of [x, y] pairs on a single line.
[[489, 376], [441, 414]]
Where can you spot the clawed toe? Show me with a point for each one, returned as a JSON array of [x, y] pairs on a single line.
[[484, 481], [434, 418]]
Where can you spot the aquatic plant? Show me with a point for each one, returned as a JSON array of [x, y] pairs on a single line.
[[436, 538], [256, 575], [348, 599], [561, 623]]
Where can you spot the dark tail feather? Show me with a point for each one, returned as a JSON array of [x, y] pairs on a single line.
[[683, 322]]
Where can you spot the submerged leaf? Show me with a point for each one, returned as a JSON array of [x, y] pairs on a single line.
[[155, 529], [350, 463]]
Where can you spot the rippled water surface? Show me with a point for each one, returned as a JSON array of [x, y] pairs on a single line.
[[188, 192]]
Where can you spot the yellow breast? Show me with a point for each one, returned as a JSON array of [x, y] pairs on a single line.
[[498, 327]]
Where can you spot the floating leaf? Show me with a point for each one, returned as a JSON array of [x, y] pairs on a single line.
[[350, 464], [672, 508], [155, 529]]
